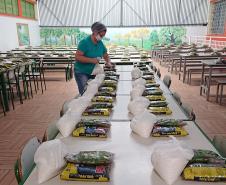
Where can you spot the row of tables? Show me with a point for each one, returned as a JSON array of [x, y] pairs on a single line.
[[205, 60], [132, 161]]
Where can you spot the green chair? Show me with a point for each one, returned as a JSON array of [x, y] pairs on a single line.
[[158, 73], [177, 97], [167, 80], [188, 111], [1, 101], [65, 105], [220, 144], [25, 162], [51, 132]]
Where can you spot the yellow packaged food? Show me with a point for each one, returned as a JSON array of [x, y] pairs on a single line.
[[78, 172], [168, 131], [155, 97], [97, 112], [103, 99], [160, 110], [203, 172]]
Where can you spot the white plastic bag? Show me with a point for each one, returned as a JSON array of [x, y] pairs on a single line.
[[97, 70], [67, 123], [91, 90], [136, 73], [138, 105], [100, 78], [139, 81], [143, 123], [79, 105], [169, 159], [49, 159], [137, 91]]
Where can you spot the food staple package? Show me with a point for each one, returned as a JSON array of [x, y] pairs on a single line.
[[205, 166], [169, 127], [158, 104], [160, 110], [106, 93], [103, 99], [88, 166], [92, 128], [100, 105], [106, 89], [152, 92], [97, 112], [149, 85], [155, 97]]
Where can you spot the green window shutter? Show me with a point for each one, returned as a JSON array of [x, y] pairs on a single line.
[[9, 7], [15, 7], [23, 5], [2, 6]]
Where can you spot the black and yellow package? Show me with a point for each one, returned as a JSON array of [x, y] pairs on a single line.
[[87, 131], [160, 110], [106, 89], [80, 172], [100, 105], [168, 131], [155, 97], [103, 99], [94, 123], [170, 123], [205, 172], [152, 92], [97, 112], [158, 104], [149, 85]]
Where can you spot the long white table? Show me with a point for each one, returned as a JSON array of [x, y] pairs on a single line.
[[132, 161]]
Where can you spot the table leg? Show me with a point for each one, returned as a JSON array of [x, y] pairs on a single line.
[[184, 70], [208, 84], [4, 92], [202, 79]]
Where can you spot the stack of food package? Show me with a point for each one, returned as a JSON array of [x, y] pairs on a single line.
[[205, 166], [88, 166], [169, 127]]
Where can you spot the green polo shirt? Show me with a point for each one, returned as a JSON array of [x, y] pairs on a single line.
[[90, 50]]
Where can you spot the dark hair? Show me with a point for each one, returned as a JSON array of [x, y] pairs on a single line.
[[98, 27]]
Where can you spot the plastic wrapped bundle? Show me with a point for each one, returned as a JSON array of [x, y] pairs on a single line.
[[103, 99], [136, 73], [106, 89], [168, 131], [158, 104], [152, 92], [105, 93], [169, 158], [155, 97], [88, 166], [170, 122], [100, 105], [151, 85], [92, 128], [97, 112], [160, 110]]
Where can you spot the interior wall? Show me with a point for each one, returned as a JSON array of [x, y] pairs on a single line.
[[8, 32]]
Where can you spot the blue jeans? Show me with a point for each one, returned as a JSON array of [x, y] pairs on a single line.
[[81, 79]]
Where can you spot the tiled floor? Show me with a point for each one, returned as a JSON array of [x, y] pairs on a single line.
[[32, 118]]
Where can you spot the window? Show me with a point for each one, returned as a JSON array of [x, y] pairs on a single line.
[[27, 9], [9, 7]]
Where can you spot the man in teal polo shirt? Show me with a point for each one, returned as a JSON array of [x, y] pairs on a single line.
[[88, 54]]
